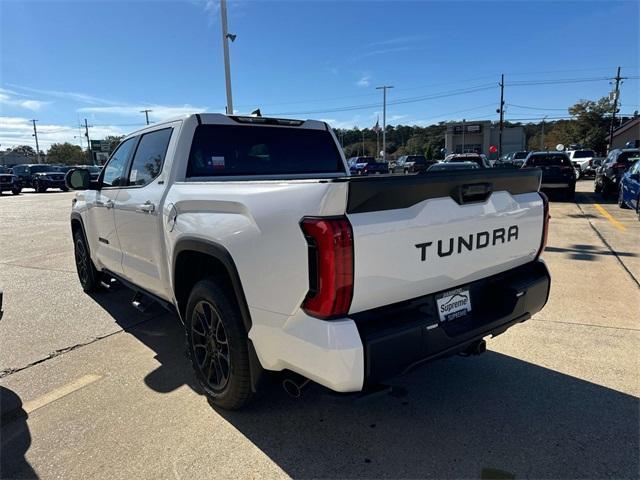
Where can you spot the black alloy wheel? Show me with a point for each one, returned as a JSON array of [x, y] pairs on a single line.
[[210, 346]]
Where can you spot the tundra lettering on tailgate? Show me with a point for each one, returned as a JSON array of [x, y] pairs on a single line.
[[473, 241]]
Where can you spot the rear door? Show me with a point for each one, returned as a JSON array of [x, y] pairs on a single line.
[[138, 214], [420, 234]]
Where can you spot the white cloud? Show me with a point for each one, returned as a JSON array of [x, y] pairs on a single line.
[[365, 81], [398, 40], [19, 131], [157, 113], [67, 95], [7, 97]]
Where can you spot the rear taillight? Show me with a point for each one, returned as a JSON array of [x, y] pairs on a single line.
[[545, 223], [619, 165], [330, 243]]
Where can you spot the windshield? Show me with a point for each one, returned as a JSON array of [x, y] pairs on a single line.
[[452, 166], [520, 155], [584, 154], [625, 157], [63, 169], [225, 150], [548, 160], [43, 168]]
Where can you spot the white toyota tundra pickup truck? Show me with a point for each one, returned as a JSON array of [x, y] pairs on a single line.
[[275, 259]]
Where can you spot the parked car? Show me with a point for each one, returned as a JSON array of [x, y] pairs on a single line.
[[9, 183], [280, 270], [582, 159], [94, 170], [557, 171], [366, 166], [449, 166], [608, 176], [40, 177], [412, 164], [481, 160], [629, 191]]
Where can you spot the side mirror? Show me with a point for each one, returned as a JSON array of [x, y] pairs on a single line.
[[78, 179]]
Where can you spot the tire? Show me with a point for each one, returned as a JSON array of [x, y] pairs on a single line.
[[597, 188], [217, 345], [621, 203], [571, 193], [606, 188], [16, 191], [87, 274], [64, 189]]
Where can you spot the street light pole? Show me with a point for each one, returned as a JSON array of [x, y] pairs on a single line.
[[384, 120], [542, 135], [225, 46]]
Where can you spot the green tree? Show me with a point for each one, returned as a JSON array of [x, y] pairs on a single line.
[[66, 154], [25, 150], [114, 141]]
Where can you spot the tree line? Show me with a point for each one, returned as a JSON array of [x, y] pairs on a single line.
[[588, 127]]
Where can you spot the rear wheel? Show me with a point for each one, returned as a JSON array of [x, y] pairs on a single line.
[[571, 193], [606, 188], [217, 345], [16, 191], [597, 188], [64, 189], [87, 274]]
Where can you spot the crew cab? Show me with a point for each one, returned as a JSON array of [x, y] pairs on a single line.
[[558, 173], [255, 233]]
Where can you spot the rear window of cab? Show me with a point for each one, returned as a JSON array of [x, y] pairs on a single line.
[[231, 150]]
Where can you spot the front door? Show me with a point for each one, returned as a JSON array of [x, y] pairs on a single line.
[[137, 213], [108, 253]]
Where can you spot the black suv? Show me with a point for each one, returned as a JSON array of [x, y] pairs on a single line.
[[9, 182], [40, 177], [608, 175], [557, 171]]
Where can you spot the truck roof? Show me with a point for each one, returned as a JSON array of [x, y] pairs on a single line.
[[223, 119]]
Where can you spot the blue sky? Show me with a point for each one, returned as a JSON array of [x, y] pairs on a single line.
[[105, 61]]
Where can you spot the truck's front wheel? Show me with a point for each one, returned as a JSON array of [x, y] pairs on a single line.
[[217, 345], [87, 274]]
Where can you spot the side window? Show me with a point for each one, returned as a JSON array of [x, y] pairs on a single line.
[[114, 174], [147, 162]]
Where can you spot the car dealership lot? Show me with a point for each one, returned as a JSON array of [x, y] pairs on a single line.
[[553, 397]]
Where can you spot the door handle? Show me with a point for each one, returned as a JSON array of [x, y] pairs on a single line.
[[107, 204], [146, 207]]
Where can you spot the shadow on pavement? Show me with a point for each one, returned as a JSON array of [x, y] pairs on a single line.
[[587, 252], [160, 331], [459, 418], [455, 418], [15, 438], [592, 197]]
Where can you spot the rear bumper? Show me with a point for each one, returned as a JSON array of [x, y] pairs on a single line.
[[398, 337], [347, 355]]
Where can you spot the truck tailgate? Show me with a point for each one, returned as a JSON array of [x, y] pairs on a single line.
[[420, 234]]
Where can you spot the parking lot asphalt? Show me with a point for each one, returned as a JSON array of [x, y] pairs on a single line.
[[90, 387]]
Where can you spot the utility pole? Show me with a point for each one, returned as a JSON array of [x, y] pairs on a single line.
[[86, 134], [542, 135], [384, 119], [616, 94], [146, 114], [35, 134], [363, 142], [226, 36], [501, 110], [462, 136]]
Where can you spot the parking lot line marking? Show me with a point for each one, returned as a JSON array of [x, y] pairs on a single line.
[[610, 217], [58, 393]]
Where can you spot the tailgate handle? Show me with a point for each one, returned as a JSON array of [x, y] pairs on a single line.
[[473, 193]]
